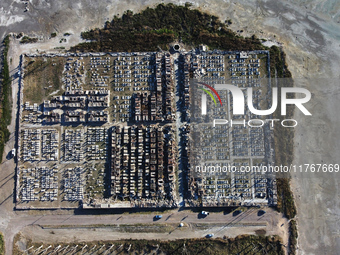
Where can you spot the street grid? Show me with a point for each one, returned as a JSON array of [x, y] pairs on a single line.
[[95, 132]]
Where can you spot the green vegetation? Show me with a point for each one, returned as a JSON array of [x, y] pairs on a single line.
[[255, 245], [293, 235], [2, 244], [157, 27], [126, 228], [21, 34], [43, 77], [5, 99], [27, 39], [278, 65], [53, 35], [153, 28], [228, 22], [285, 203], [283, 137]]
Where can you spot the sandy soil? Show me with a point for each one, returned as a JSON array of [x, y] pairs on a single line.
[[317, 194], [47, 229], [97, 234], [309, 31]]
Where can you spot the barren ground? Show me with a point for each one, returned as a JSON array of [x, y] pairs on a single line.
[[308, 31]]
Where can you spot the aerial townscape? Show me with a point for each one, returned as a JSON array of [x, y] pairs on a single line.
[[111, 135], [166, 128]]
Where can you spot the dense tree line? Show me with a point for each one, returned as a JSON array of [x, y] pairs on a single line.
[[284, 137], [2, 244], [157, 27], [5, 95]]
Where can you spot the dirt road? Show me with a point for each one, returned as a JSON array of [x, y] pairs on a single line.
[[40, 227]]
